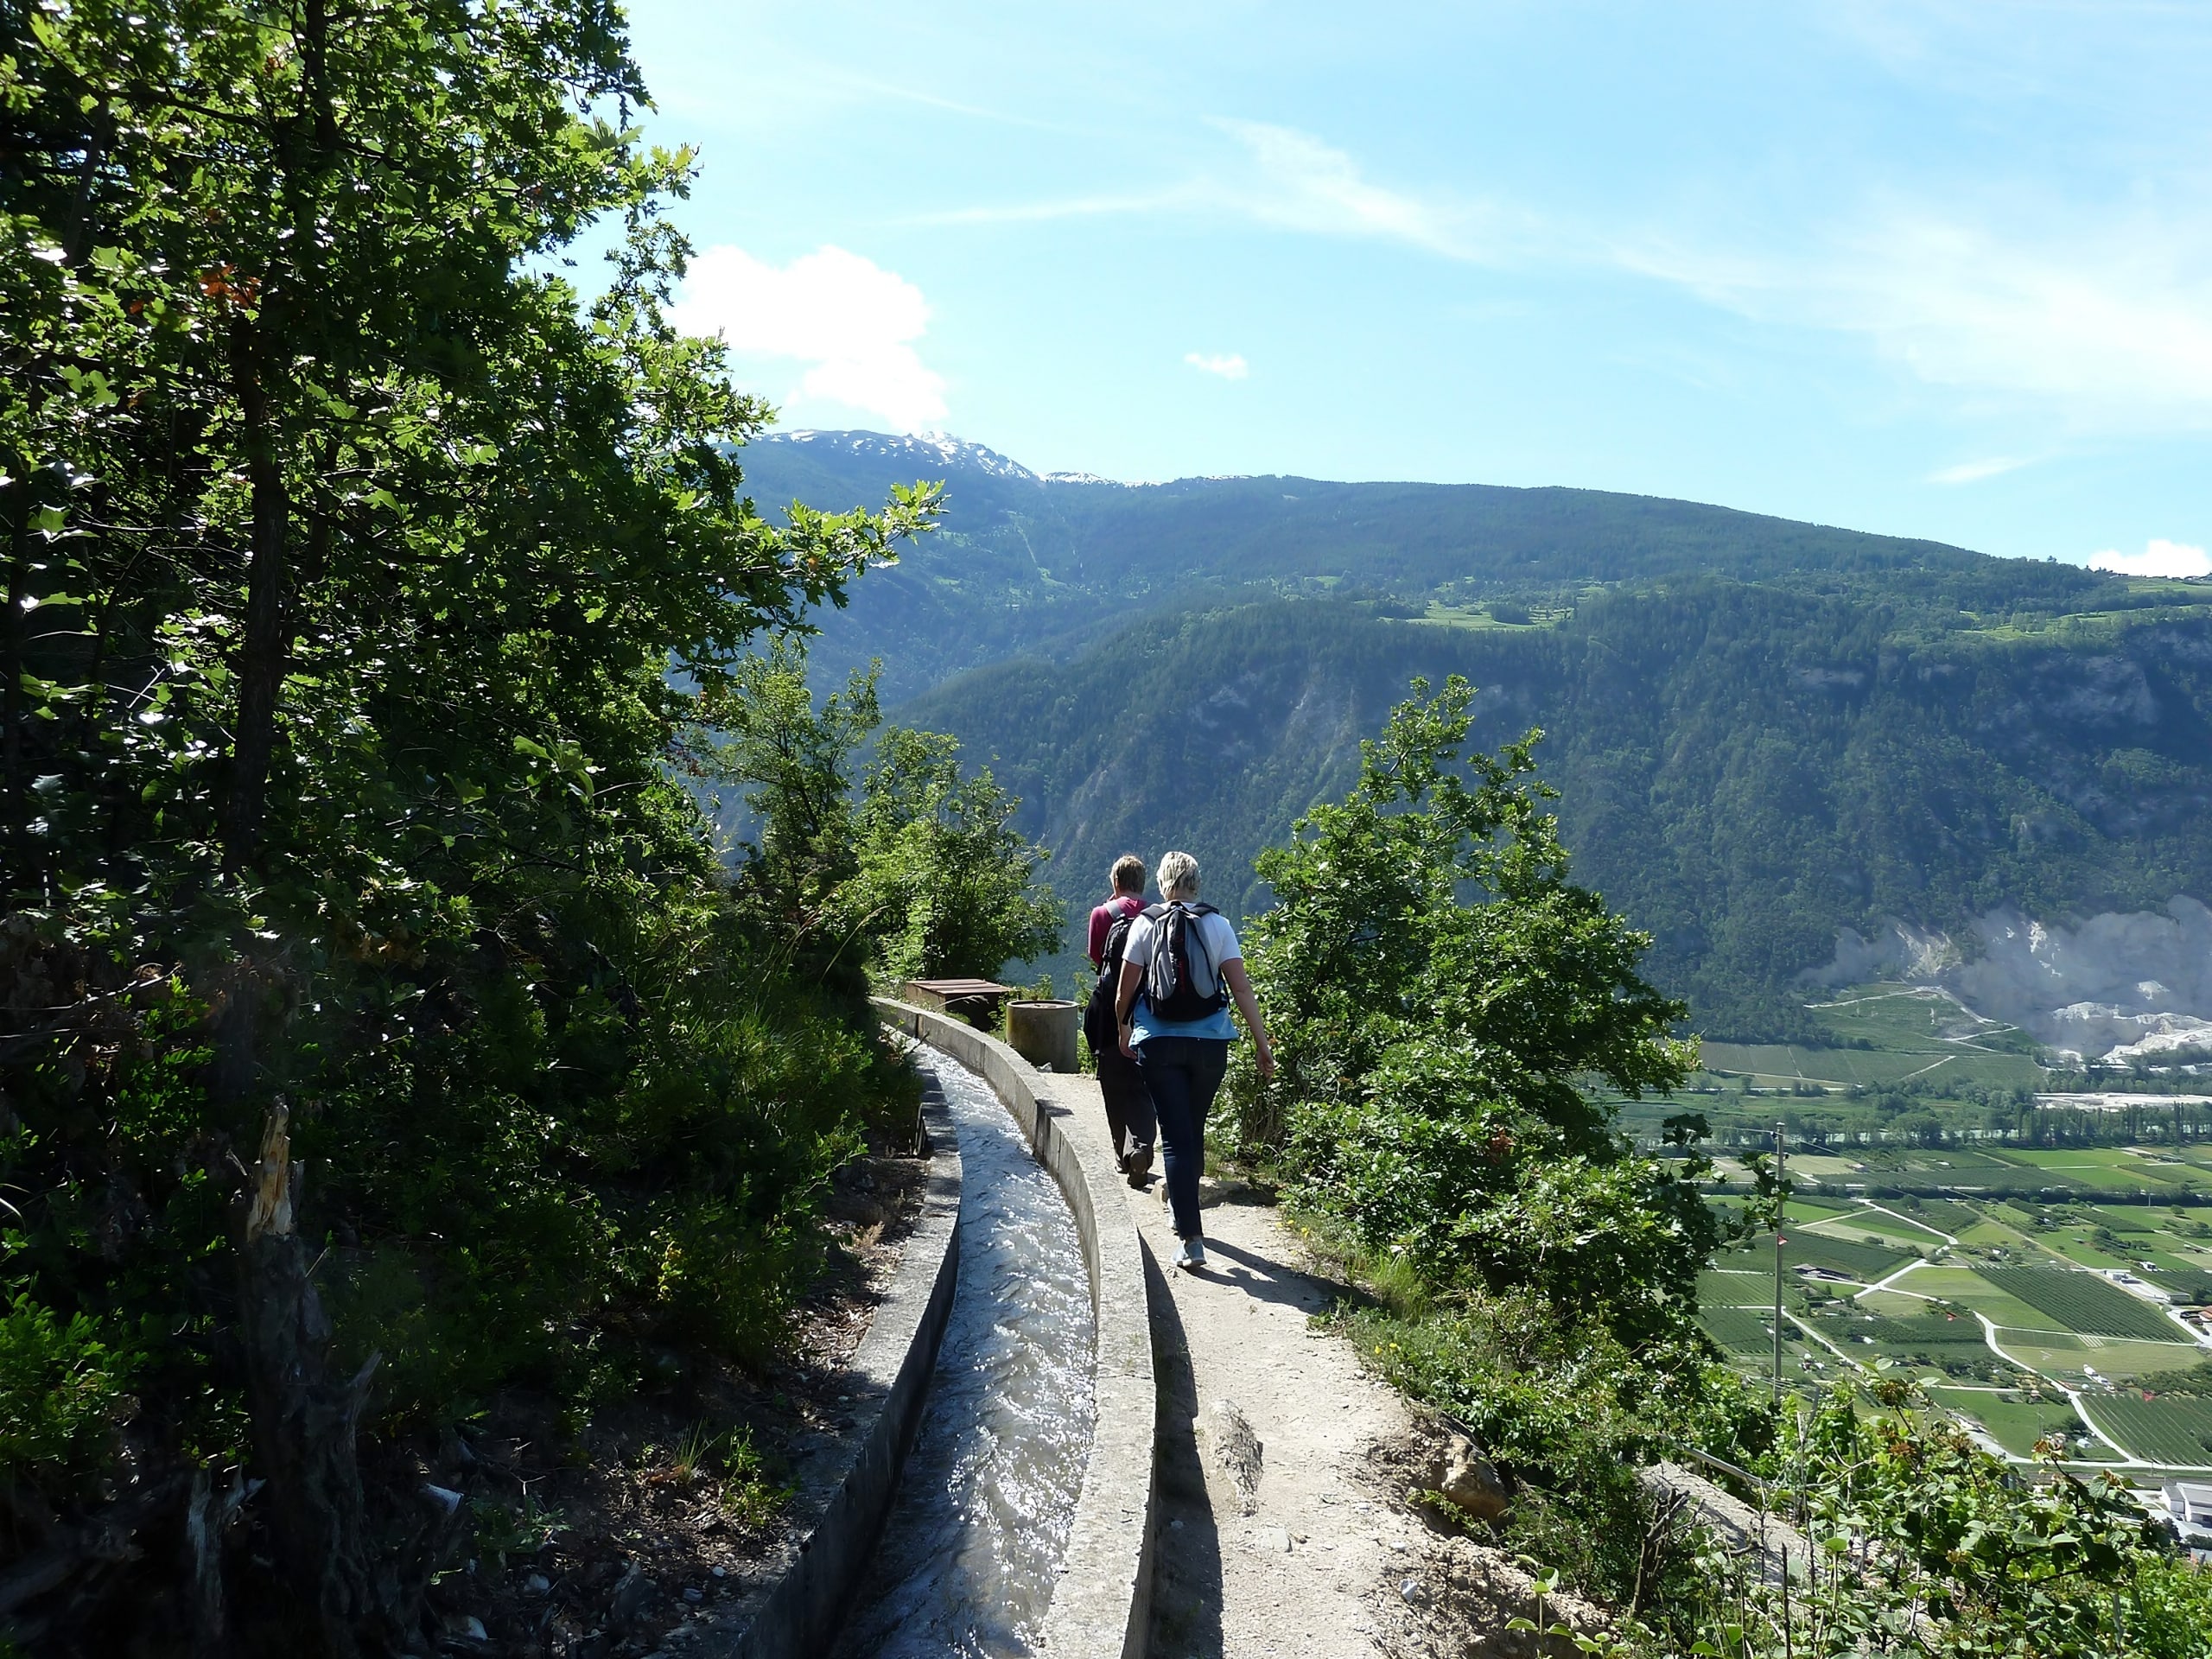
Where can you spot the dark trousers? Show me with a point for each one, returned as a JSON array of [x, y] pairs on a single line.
[[1128, 1100], [1185, 1074]]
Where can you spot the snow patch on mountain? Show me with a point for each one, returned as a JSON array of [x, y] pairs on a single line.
[[929, 449], [2120, 987], [942, 449]]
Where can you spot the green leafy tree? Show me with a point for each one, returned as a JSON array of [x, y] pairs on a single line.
[[944, 874], [793, 762], [1441, 996], [366, 582]]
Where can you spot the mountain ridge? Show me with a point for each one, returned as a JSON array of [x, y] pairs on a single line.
[[1766, 734]]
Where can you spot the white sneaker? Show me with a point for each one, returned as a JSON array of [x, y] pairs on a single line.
[[1191, 1255]]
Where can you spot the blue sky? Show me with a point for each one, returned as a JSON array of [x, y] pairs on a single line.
[[1937, 270]]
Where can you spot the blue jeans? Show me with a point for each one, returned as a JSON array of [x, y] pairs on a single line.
[[1183, 1074]]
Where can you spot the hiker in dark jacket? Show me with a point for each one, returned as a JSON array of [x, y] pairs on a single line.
[[1180, 967], [1128, 1103]]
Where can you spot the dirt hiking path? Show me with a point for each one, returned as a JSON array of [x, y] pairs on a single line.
[[1281, 1532]]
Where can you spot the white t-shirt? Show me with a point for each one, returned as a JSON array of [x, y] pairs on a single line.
[[1219, 940]]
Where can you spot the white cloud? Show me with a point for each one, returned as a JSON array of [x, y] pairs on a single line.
[[1291, 181], [1310, 186], [1229, 368], [853, 323], [2159, 558], [2105, 318], [1972, 471]]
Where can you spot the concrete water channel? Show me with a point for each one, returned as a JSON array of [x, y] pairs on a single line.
[[968, 1556], [1008, 1375]]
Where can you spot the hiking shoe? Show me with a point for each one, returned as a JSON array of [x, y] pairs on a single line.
[[1191, 1255], [1138, 1167]]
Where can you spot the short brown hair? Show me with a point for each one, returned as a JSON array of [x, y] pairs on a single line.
[[1127, 873]]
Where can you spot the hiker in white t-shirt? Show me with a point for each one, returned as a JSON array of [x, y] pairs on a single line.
[[1181, 969]]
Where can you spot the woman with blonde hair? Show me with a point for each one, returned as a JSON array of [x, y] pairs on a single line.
[[1180, 968]]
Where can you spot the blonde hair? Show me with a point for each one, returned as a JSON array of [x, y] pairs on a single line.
[[1127, 873], [1178, 876]]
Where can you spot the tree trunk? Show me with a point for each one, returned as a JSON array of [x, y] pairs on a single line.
[[260, 654], [17, 493], [305, 1421]]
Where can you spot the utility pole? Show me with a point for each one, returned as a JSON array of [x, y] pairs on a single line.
[[1781, 1219]]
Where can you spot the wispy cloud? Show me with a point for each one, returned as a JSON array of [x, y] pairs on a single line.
[[1304, 184], [1025, 212], [1229, 368], [1281, 177], [2106, 319], [1972, 471], [2097, 316], [854, 324], [2158, 558]]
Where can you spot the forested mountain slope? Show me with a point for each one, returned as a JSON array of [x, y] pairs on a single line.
[[1743, 771], [1031, 564], [1762, 732]]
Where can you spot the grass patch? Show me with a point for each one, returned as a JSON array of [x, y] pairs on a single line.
[[2012, 1419]]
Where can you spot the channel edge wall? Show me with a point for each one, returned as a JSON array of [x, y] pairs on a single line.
[[1101, 1605], [847, 1487]]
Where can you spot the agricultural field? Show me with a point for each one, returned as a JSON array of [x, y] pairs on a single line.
[[2079, 1361], [1906, 1019], [2174, 1431], [1887, 1034], [1962, 1288], [1984, 1256], [1805, 1247], [1875, 1228], [2083, 1303], [1778, 1066], [1727, 1289], [1740, 1330], [2015, 1421], [2117, 1171]]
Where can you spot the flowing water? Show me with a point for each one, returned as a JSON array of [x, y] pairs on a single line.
[[969, 1557]]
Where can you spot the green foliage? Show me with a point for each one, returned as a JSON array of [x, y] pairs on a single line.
[[1744, 769], [1569, 1412], [942, 866], [372, 590], [793, 764], [924, 876], [1438, 992], [1925, 1545], [62, 1398], [505, 1529]]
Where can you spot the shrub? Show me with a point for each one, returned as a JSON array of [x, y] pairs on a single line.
[[63, 1392]]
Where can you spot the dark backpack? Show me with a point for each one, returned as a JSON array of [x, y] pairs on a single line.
[[1117, 944], [1182, 982]]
